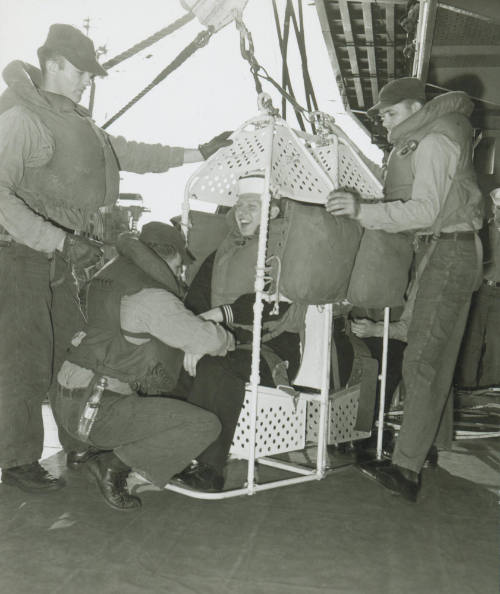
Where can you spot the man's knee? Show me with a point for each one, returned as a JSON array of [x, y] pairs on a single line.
[[204, 422]]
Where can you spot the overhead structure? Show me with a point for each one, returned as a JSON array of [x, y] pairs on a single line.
[[366, 45], [450, 45]]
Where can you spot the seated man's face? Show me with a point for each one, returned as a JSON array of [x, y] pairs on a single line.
[[247, 214]]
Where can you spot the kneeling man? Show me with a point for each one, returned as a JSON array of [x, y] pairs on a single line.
[[136, 335]]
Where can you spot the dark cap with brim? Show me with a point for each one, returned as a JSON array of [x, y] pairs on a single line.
[[73, 45], [157, 235], [396, 91]]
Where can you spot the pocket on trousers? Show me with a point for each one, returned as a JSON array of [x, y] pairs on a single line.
[[69, 404]]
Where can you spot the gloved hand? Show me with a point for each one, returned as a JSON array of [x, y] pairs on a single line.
[[81, 252], [217, 142]]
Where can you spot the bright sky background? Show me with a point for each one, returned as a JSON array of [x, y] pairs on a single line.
[[211, 92]]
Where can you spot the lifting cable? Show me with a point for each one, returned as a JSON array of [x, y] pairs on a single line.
[[285, 75], [189, 16], [198, 42], [259, 72], [247, 52], [300, 34]]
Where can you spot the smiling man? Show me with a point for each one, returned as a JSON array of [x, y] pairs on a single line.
[[223, 291], [57, 169]]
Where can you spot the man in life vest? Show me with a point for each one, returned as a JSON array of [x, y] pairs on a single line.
[[431, 190], [135, 338], [223, 291], [57, 169]]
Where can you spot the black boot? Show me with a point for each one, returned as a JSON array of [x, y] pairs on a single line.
[[113, 486], [399, 480], [32, 478], [432, 458], [76, 460], [201, 477]]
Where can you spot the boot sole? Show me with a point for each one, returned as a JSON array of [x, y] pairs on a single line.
[[12, 482]]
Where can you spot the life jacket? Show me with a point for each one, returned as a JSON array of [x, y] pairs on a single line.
[[310, 255], [152, 367], [447, 114], [83, 174], [382, 269]]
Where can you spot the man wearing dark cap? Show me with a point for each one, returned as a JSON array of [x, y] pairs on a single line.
[[431, 191], [57, 169], [134, 341]]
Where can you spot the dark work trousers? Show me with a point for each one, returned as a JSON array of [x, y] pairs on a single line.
[[479, 360], [154, 435], [395, 352], [434, 336], [39, 313], [219, 386]]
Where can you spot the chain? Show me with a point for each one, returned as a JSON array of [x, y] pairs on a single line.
[[258, 72], [247, 51]]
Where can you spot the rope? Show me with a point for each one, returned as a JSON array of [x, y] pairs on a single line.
[[148, 41], [200, 41]]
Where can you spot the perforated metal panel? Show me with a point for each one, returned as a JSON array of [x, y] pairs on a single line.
[[342, 163], [343, 410], [280, 426], [294, 172]]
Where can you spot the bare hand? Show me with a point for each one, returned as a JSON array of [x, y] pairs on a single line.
[[212, 315], [365, 328], [342, 202], [190, 362]]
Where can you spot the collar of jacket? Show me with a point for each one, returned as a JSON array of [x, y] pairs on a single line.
[[24, 80], [129, 246], [452, 102]]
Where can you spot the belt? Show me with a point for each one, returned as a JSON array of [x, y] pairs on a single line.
[[454, 236], [490, 283]]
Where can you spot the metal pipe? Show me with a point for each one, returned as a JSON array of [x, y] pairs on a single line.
[[383, 380], [258, 307]]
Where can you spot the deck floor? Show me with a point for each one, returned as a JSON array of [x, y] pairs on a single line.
[[344, 534]]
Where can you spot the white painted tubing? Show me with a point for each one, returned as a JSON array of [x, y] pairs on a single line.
[[325, 390], [258, 307], [383, 381]]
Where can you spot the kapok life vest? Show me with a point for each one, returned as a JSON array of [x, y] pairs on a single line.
[[310, 256], [82, 174], [382, 269], [105, 349]]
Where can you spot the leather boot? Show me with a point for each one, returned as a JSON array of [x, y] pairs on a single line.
[[76, 460], [201, 477], [113, 486], [32, 478], [399, 480]]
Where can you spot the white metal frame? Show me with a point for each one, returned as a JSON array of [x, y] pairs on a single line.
[[304, 473]]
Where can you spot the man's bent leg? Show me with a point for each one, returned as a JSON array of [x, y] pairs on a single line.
[[156, 436]]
